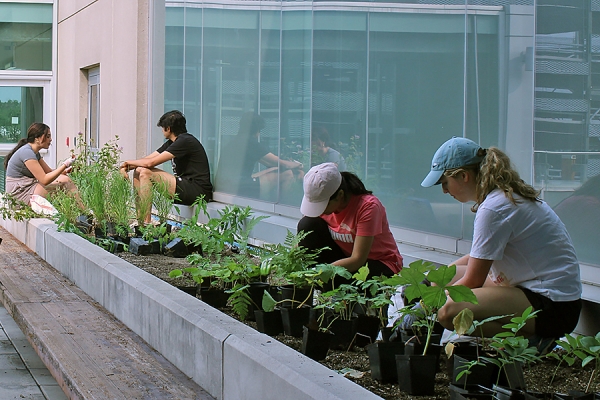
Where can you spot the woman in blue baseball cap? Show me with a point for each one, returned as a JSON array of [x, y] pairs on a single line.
[[521, 253]]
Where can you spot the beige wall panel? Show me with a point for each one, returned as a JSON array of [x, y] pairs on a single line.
[[104, 33]]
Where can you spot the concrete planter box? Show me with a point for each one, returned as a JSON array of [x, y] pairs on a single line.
[[227, 358]]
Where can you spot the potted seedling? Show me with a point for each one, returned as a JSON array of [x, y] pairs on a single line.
[[583, 348], [416, 373], [509, 351]]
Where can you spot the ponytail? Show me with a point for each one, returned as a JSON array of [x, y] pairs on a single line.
[[496, 171], [351, 185], [35, 130], [20, 144]]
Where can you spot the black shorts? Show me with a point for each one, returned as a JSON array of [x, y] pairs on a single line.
[[556, 318], [187, 191]]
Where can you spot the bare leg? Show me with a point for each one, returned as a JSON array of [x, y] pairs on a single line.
[[492, 301], [142, 181]]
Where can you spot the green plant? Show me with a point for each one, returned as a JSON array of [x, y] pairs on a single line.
[[310, 278], [163, 200], [66, 203], [433, 297], [156, 232], [119, 202], [585, 348], [12, 208], [289, 257], [509, 347]]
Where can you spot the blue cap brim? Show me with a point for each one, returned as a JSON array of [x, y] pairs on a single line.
[[432, 178]]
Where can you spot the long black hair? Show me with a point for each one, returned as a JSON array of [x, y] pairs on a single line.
[[36, 130], [351, 185]]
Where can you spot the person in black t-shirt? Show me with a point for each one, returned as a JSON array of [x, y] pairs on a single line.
[[191, 177], [237, 172]]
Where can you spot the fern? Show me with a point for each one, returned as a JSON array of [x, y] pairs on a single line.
[[240, 300]]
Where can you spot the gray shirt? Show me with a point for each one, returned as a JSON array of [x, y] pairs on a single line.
[[334, 156], [16, 165]]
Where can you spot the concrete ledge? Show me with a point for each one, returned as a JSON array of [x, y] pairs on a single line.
[[225, 357]]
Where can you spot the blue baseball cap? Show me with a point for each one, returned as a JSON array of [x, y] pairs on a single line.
[[456, 152]]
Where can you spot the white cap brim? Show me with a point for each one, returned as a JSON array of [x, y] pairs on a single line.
[[312, 209], [432, 178]]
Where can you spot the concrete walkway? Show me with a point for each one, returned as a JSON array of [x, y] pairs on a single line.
[[23, 375]]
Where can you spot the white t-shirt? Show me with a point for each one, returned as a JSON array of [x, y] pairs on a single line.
[[530, 247]]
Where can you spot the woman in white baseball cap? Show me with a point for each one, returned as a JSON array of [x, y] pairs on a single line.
[[521, 253], [340, 213]]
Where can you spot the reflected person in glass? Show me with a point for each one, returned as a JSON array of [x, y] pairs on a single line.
[[340, 213], [322, 151], [521, 254], [238, 171], [26, 171]]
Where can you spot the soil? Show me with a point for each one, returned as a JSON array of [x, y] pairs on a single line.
[[537, 376]]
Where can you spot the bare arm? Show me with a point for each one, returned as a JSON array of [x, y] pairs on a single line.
[[38, 171], [149, 161], [271, 160], [476, 273], [360, 253]]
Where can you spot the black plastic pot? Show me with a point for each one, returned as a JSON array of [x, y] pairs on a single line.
[[382, 359], [481, 375], [367, 329], [294, 319], [344, 332], [292, 296], [214, 297], [256, 291], [463, 349], [268, 322], [191, 290], [416, 374], [470, 392], [315, 343]]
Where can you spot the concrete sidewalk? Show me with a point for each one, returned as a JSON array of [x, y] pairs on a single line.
[[23, 375]]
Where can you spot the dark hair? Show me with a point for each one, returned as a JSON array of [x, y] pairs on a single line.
[[36, 130], [250, 123], [320, 133], [351, 185], [173, 120]]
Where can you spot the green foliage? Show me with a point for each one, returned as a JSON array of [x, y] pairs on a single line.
[[66, 203], [288, 258], [156, 232], [163, 200], [240, 300], [12, 208], [584, 348], [119, 208], [9, 132], [433, 297]]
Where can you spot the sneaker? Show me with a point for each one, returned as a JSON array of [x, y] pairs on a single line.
[[543, 345]]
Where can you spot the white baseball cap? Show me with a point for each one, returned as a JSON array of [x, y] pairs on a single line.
[[320, 183]]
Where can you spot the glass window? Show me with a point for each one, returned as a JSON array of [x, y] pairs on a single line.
[[567, 118], [19, 108], [26, 38]]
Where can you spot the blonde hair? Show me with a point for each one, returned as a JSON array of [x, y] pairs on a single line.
[[496, 172]]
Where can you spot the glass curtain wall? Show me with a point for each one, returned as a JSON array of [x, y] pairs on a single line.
[[384, 87], [567, 117]]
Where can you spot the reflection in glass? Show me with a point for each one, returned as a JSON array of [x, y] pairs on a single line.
[[26, 36], [388, 86], [19, 108]]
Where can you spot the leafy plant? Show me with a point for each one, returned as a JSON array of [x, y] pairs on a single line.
[[585, 348], [310, 278], [66, 203], [163, 200], [433, 297], [509, 347], [12, 208]]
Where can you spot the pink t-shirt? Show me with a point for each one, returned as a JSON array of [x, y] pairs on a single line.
[[365, 216]]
